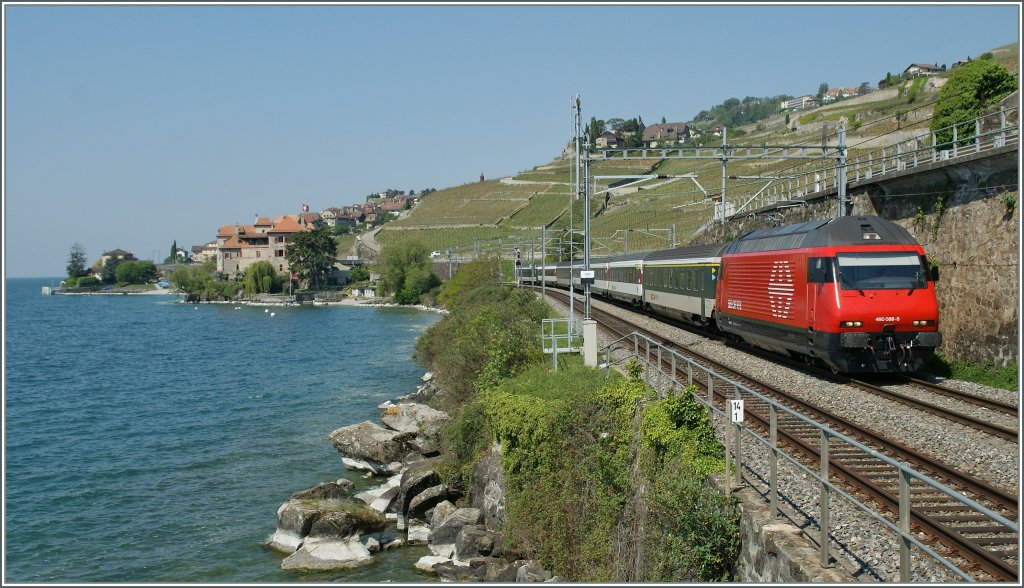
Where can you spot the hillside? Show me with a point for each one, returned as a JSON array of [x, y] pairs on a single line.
[[474, 217]]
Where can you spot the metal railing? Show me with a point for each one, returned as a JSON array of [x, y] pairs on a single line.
[[985, 133], [560, 335], [652, 356]]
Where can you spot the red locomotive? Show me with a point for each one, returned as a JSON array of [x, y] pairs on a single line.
[[855, 293]]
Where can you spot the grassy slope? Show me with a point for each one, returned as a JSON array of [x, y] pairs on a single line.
[[476, 215]]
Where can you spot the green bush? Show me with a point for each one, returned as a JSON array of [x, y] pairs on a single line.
[[70, 282], [692, 531], [970, 89], [86, 281], [565, 452]]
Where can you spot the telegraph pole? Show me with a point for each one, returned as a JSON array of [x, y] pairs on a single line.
[[841, 189], [725, 161]]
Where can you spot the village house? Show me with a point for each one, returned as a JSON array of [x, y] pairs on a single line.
[[239, 246], [120, 254], [922, 69], [800, 103], [203, 253], [607, 140], [664, 131]]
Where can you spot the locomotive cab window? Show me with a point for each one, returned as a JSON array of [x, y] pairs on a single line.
[[819, 270], [880, 271]]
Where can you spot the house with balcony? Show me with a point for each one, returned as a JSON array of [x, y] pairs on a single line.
[[922, 69]]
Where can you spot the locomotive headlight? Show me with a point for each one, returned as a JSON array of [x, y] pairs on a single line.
[[850, 324], [924, 323]]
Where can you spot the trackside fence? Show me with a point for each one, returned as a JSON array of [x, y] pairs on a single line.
[[666, 372]]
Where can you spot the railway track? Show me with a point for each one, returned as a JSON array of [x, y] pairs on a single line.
[[987, 546], [987, 423]]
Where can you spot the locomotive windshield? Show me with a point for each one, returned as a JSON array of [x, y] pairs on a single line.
[[880, 271]]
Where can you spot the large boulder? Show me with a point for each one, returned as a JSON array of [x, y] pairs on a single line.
[[532, 571], [445, 533], [424, 422], [473, 541], [333, 540], [382, 497], [326, 491], [494, 569], [294, 521], [382, 449], [414, 418], [415, 479], [319, 554], [488, 491], [427, 500]]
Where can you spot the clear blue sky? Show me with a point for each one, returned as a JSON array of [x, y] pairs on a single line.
[[134, 126]]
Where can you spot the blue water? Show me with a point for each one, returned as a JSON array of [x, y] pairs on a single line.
[[148, 440]]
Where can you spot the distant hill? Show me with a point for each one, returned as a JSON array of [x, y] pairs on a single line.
[[476, 216]]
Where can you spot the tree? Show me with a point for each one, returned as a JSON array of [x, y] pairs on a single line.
[[76, 261], [970, 89], [615, 124], [358, 274], [864, 87], [822, 89], [405, 270], [311, 254], [198, 283], [173, 257], [595, 128], [260, 278], [663, 120], [134, 272], [108, 272]]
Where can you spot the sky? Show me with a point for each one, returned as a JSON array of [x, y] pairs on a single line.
[[133, 127]]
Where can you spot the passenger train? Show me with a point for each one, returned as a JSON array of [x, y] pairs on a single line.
[[855, 293]]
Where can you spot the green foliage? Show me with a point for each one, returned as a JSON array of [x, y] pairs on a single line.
[[988, 375], [1009, 200], [70, 282], [466, 437], [406, 271], [311, 254], [87, 281], [260, 278], [198, 283], [970, 89], [692, 531], [566, 464], [108, 273], [491, 332], [358, 274], [76, 261], [915, 89], [134, 272], [734, 112], [679, 425]]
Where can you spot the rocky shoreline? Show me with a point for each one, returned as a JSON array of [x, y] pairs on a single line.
[[327, 527]]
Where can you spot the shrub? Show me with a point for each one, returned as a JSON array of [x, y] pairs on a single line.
[[70, 282], [964, 96], [86, 281]]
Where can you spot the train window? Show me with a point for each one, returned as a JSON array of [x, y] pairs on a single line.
[[880, 271], [819, 270]]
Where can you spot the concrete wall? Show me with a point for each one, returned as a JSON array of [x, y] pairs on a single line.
[[774, 550], [962, 217]]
